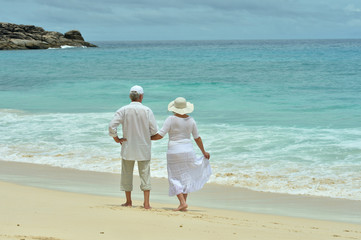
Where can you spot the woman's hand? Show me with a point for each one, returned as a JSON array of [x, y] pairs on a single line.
[[156, 137], [207, 155]]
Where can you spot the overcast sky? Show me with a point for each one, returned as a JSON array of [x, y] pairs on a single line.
[[190, 19]]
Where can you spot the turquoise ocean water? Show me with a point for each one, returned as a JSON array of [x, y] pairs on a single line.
[[277, 116]]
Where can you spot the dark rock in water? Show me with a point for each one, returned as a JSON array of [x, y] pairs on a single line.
[[74, 35], [13, 37]]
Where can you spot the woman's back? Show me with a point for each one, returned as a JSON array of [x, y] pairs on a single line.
[[179, 128]]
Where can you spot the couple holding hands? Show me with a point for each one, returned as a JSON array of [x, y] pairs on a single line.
[[186, 172]]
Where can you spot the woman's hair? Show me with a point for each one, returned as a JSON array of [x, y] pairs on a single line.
[[134, 96]]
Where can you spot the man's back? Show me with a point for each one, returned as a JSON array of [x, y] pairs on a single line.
[[138, 125]]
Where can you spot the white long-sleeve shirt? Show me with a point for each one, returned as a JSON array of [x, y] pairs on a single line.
[[179, 128], [138, 125]]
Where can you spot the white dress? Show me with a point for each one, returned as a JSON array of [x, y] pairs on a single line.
[[186, 172]]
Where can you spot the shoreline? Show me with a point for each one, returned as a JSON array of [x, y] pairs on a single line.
[[40, 214], [212, 196], [34, 213]]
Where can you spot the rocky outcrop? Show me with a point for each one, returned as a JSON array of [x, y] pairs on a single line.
[[13, 36]]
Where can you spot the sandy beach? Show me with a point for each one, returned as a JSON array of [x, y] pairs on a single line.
[[41, 202]]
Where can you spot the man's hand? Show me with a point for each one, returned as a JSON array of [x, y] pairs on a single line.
[[119, 140]]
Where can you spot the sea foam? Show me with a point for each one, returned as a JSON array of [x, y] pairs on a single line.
[[318, 162]]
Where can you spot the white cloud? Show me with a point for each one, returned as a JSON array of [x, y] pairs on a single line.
[[351, 8], [189, 19]]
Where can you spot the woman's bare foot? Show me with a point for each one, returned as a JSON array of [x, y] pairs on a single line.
[[182, 207], [127, 204]]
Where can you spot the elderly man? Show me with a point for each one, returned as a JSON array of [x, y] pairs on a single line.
[[138, 125]]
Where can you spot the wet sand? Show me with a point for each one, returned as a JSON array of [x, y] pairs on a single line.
[[42, 202]]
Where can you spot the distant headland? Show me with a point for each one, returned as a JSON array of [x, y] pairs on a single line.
[[19, 37]]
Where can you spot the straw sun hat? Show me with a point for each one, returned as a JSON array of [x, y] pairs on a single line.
[[180, 106]]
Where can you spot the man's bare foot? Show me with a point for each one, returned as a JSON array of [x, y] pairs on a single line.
[[147, 206], [182, 207], [127, 204]]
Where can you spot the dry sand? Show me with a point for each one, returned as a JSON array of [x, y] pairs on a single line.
[[28, 212]]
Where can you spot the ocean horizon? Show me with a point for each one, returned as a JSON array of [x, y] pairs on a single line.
[[278, 116]]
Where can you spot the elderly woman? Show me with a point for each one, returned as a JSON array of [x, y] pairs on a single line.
[[186, 172]]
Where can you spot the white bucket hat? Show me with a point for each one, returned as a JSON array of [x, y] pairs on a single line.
[[180, 106]]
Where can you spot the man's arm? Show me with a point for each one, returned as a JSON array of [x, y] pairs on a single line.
[[153, 127], [113, 126]]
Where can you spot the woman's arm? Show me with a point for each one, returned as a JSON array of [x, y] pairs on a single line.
[[156, 137], [200, 145], [164, 130]]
